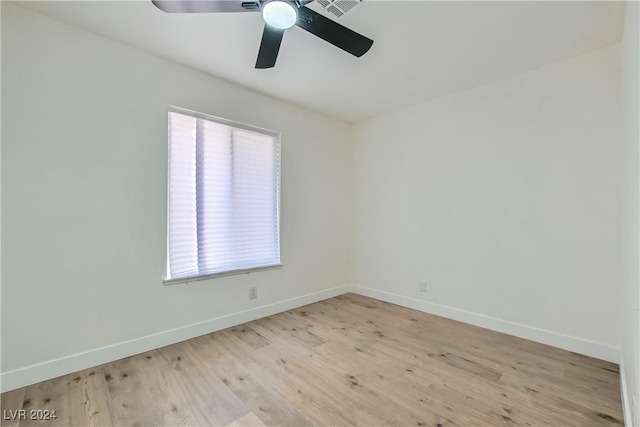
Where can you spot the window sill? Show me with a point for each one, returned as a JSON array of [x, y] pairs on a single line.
[[168, 282]]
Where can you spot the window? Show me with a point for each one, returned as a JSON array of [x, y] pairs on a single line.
[[223, 197]]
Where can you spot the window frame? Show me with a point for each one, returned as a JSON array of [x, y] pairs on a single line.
[[239, 125]]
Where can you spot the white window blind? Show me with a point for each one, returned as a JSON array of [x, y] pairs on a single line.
[[223, 196]]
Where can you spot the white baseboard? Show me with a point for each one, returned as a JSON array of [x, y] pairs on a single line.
[[626, 409], [54, 368], [566, 342]]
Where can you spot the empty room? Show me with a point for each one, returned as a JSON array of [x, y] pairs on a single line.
[[320, 213]]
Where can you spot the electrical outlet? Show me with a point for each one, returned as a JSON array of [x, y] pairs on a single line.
[[423, 286], [253, 292]]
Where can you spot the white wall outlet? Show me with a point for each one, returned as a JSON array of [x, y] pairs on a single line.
[[423, 286], [253, 292]]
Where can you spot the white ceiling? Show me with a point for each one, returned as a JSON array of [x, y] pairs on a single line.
[[422, 49]]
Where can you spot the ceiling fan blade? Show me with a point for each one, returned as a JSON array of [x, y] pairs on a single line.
[[336, 34], [206, 6], [269, 47]]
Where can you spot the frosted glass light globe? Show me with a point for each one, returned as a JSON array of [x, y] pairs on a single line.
[[279, 14]]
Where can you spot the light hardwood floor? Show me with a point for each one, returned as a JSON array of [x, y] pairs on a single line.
[[349, 360]]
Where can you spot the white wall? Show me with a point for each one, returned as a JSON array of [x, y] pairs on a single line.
[[630, 302], [84, 179], [506, 198]]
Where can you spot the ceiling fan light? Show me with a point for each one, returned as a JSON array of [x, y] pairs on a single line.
[[279, 14]]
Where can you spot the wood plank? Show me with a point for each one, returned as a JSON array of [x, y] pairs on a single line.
[[249, 336], [249, 420], [51, 395], [10, 403], [205, 402], [131, 402], [468, 365]]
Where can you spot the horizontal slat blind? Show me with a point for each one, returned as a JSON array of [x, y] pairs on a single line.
[[223, 197], [253, 188], [182, 208]]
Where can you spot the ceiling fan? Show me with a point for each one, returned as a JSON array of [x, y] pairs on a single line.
[[279, 16]]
